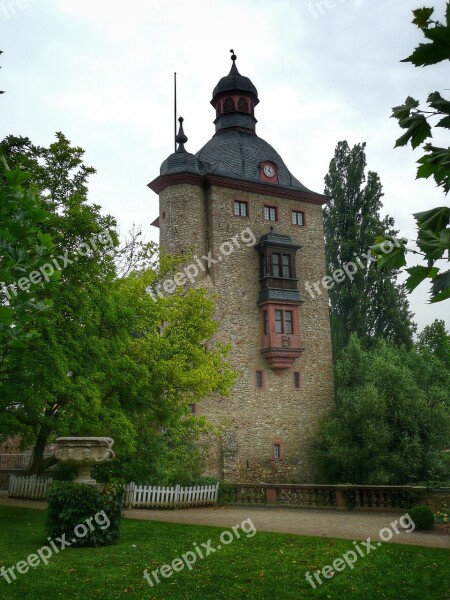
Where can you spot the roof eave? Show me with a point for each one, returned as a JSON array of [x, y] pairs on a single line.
[[244, 185]]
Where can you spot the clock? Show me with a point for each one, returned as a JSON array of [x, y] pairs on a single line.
[[269, 171]]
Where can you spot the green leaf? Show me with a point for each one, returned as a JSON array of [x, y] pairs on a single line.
[[445, 122], [395, 259], [425, 171], [403, 111], [441, 283], [435, 219], [418, 274], [418, 130], [440, 297], [435, 52], [432, 244], [422, 17], [439, 103]]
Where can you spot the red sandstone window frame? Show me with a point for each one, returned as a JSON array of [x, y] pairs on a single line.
[[298, 212], [233, 207], [260, 373], [270, 206]]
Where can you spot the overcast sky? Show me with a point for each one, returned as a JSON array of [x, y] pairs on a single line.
[[101, 71]]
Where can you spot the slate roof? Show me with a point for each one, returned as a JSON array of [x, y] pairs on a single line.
[[182, 162], [276, 239], [238, 154], [234, 81]]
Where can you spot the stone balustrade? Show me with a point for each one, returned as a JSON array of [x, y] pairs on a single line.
[[340, 497]]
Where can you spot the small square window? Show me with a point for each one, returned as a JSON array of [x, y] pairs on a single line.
[[240, 209], [259, 379], [296, 380], [270, 213], [277, 451], [192, 409], [298, 218]]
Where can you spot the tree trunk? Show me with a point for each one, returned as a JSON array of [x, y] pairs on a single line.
[[38, 463]]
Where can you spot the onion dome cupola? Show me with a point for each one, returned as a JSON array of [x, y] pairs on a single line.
[[234, 99], [181, 161], [235, 151]]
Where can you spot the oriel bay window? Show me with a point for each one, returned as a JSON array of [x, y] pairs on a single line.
[[277, 265], [278, 300]]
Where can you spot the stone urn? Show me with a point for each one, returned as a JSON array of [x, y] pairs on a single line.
[[84, 453]]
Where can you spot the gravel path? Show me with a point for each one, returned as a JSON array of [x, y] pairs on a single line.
[[321, 523]]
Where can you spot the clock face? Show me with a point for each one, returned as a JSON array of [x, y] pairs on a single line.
[[269, 171]]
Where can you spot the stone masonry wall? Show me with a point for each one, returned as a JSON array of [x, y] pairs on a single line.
[[253, 420]]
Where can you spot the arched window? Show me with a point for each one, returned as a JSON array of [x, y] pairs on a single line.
[[228, 105], [242, 105]]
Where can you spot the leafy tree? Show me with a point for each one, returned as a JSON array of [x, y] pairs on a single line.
[[103, 360], [368, 302], [392, 417], [433, 238], [24, 250], [435, 339]]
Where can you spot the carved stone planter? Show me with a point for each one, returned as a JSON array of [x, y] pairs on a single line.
[[84, 453]]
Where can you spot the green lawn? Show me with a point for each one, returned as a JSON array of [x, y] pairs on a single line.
[[266, 566]]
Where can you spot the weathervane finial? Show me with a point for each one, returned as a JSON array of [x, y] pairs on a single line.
[[181, 138]]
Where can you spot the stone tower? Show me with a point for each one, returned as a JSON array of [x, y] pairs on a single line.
[[257, 237]]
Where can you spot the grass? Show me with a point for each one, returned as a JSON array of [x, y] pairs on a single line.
[[265, 566]]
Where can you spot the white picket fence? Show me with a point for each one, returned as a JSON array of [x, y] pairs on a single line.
[[29, 487], [136, 496], [146, 496]]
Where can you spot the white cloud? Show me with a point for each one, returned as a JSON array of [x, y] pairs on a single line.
[[102, 72]]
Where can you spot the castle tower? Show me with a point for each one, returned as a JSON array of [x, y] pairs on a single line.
[[257, 235]]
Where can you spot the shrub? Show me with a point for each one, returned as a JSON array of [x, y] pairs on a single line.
[[70, 505], [442, 516], [226, 493], [404, 498], [422, 517]]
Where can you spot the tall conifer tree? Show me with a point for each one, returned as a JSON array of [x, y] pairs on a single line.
[[369, 302]]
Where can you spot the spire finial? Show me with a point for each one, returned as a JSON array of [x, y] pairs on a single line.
[[233, 56], [181, 139]]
